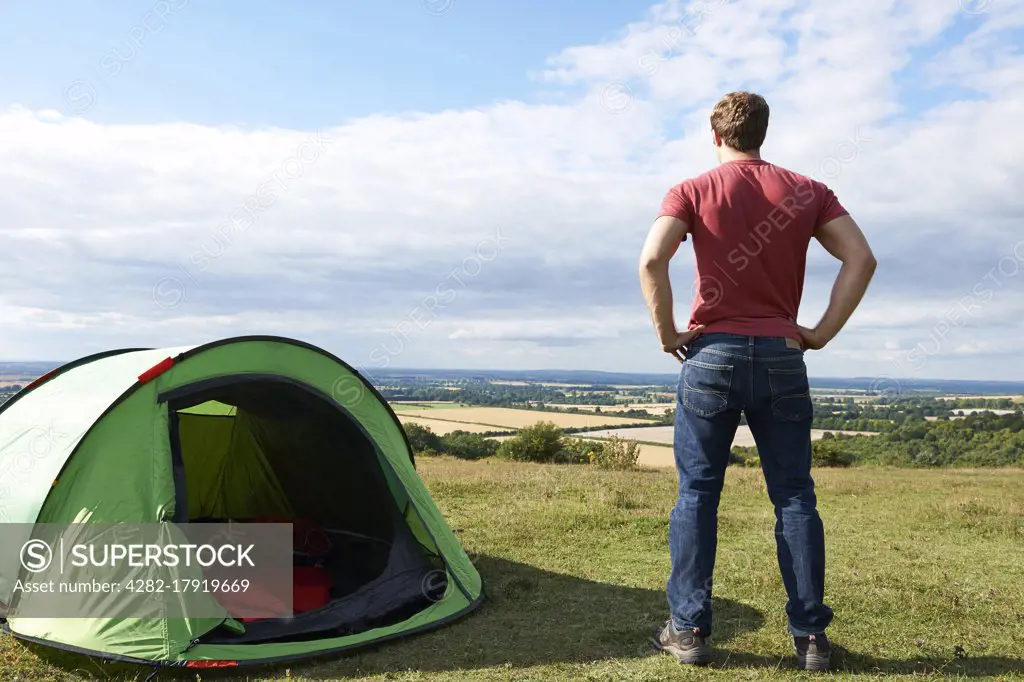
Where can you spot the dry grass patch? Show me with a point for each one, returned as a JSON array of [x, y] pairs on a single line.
[[443, 426], [505, 417]]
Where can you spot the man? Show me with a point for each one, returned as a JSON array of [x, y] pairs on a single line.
[[742, 352]]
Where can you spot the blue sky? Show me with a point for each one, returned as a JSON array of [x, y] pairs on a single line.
[[319, 63], [301, 65], [542, 135]]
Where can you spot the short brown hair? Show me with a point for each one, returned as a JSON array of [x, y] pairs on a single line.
[[741, 120]]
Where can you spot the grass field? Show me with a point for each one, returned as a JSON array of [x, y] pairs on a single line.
[[504, 417], [924, 573]]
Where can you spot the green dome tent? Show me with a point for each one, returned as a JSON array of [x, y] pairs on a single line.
[[240, 428]]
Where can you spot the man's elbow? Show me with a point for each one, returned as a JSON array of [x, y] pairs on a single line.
[[864, 261], [652, 263]]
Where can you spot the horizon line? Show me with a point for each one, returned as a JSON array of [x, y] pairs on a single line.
[[369, 373]]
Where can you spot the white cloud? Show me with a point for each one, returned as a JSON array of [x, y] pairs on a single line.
[[121, 235], [600, 324]]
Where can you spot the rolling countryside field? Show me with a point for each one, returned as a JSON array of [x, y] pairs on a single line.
[[574, 561], [655, 441]]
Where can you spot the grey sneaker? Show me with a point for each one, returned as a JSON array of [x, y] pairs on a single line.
[[813, 652], [687, 646]]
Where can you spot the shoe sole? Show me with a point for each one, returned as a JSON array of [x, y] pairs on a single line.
[[813, 662], [687, 656]]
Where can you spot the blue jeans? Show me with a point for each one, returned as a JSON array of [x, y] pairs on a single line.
[[724, 375]]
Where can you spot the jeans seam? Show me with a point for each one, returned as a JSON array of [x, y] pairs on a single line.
[[706, 365], [718, 352], [773, 358]]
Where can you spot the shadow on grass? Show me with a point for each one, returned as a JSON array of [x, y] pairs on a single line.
[[529, 617], [532, 617], [844, 661]]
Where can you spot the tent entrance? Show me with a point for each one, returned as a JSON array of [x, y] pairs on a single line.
[[261, 447]]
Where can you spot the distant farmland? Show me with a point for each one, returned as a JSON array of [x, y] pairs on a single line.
[[977, 410], [657, 456], [656, 441], [1014, 398], [653, 409], [508, 418], [425, 405], [442, 427]]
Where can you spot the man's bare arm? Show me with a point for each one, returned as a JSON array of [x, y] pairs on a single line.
[[662, 243], [843, 239]]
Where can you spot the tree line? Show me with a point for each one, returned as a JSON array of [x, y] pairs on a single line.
[[979, 440], [543, 442]]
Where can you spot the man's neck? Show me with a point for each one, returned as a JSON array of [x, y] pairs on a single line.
[[728, 155]]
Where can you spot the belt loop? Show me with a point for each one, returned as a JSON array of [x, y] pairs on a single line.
[[750, 341]]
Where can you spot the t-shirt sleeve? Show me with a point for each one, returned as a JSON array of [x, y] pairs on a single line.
[[676, 204], [830, 207]]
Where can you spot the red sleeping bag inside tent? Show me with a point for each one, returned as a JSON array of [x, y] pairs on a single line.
[[311, 585]]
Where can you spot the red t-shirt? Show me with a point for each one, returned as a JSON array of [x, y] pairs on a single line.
[[751, 223]]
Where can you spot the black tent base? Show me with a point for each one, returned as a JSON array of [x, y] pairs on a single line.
[[381, 603]]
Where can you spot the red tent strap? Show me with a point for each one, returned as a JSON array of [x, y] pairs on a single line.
[[40, 379], [211, 664], [156, 370]]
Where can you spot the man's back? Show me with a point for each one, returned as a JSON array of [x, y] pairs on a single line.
[[751, 223]]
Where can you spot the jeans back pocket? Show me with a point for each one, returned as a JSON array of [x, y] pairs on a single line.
[[706, 387], [791, 393]]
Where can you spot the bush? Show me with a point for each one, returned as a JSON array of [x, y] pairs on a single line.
[[546, 443], [421, 438], [579, 451], [466, 445], [616, 453], [461, 444], [541, 442], [827, 452], [830, 453], [744, 457]]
